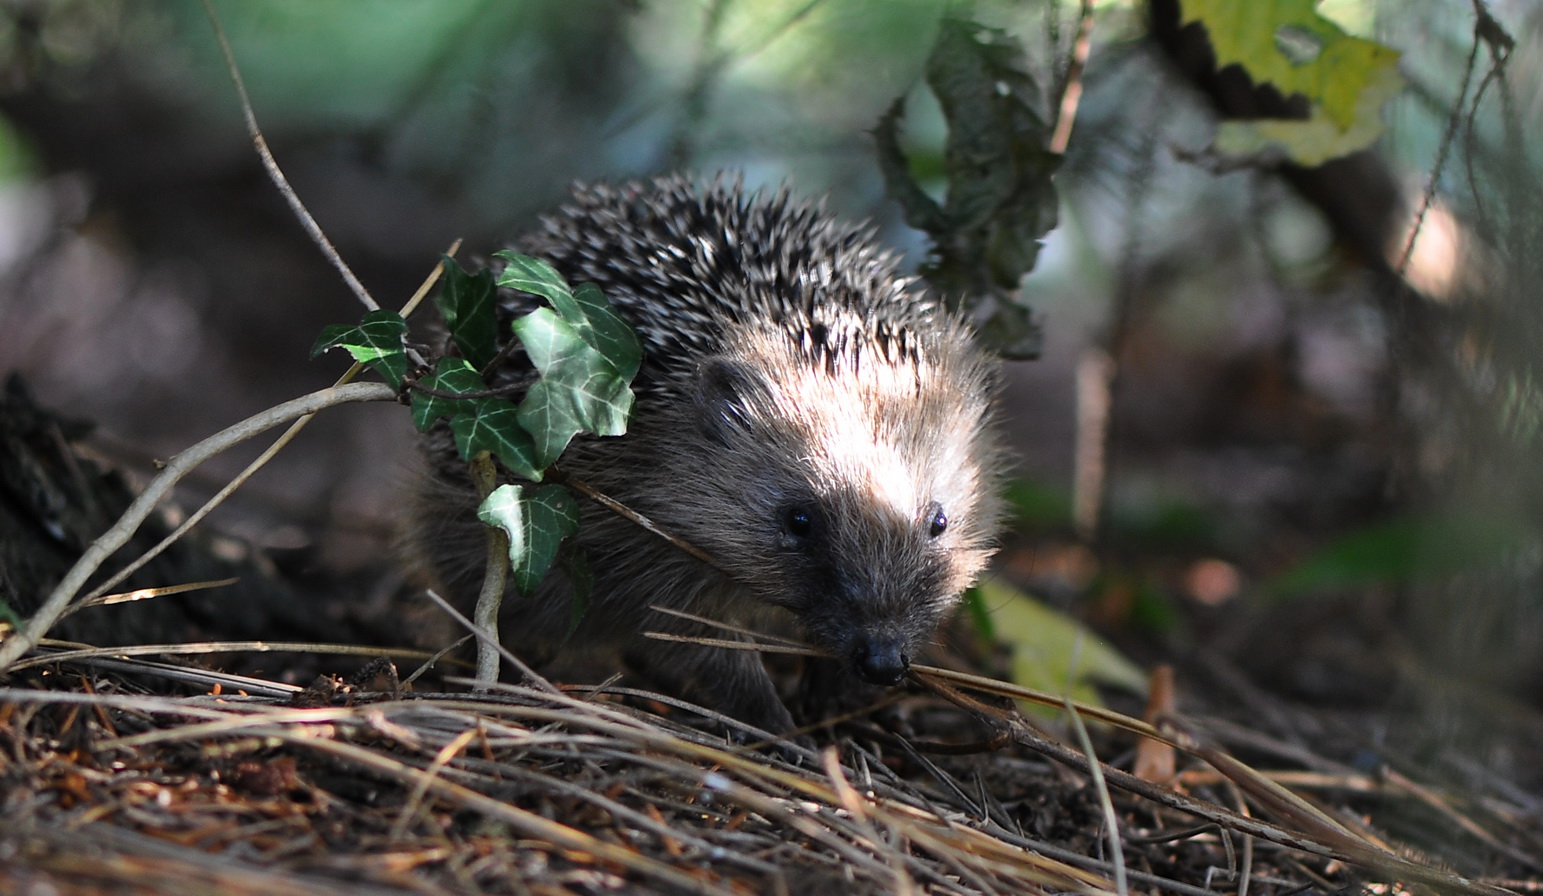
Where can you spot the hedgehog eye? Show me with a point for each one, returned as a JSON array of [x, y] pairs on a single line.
[[798, 521], [937, 521]]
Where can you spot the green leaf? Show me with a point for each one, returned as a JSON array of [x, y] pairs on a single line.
[[585, 309], [579, 390], [536, 520], [1405, 550], [10, 617], [1012, 332], [1345, 80], [452, 375], [492, 425], [377, 341], [1000, 199], [1045, 644], [537, 277], [469, 304], [607, 333]]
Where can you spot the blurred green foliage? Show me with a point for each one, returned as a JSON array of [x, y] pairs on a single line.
[[1427, 548]]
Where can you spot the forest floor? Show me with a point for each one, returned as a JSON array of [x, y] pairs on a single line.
[[151, 771]]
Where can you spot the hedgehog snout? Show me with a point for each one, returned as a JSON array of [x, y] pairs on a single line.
[[881, 658]]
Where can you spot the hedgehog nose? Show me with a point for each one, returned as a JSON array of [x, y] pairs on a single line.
[[882, 659]]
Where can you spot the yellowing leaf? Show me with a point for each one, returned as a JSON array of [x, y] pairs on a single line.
[[1046, 644], [1345, 79]]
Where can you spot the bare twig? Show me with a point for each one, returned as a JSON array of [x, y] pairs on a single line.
[[276, 174], [483, 637], [1105, 804], [13, 647], [1444, 148], [494, 579], [726, 644], [207, 647], [1322, 836], [145, 594], [414, 800], [631, 515], [1071, 90], [262, 459], [724, 626]]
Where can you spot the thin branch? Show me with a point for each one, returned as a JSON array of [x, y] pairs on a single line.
[[1444, 148], [139, 594], [499, 392], [200, 648], [1071, 91], [725, 644], [483, 637], [262, 459], [627, 513], [724, 626], [1106, 805], [485, 477], [276, 174], [13, 647]]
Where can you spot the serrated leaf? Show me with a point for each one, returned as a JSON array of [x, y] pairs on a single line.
[[492, 425], [469, 303], [1045, 644], [579, 391], [1345, 80], [376, 341], [537, 277], [536, 519], [451, 375]]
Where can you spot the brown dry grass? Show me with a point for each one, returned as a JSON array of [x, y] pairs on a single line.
[[113, 779]]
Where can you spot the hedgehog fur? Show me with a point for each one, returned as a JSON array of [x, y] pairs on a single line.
[[807, 416]]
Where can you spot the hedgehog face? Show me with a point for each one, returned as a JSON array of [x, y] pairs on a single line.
[[851, 511]]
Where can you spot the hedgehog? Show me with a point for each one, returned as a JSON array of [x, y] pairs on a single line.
[[814, 421]]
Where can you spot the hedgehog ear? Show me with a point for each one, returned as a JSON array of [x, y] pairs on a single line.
[[725, 391]]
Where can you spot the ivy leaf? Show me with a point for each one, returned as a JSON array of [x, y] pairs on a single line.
[[492, 425], [468, 303], [452, 375], [579, 390], [536, 520], [585, 309], [607, 333], [376, 341], [1345, 80], [537, 277]]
